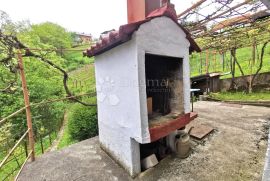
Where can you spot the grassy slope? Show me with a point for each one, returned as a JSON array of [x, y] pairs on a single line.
[[66, 139], [75, 59], [82, 80], [243, 55]]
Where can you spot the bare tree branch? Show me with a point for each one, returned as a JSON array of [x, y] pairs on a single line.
[[8, 89]]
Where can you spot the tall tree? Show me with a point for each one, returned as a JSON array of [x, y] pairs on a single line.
[[53, 34]]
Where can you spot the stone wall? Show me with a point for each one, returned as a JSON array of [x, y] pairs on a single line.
[[261, 81]]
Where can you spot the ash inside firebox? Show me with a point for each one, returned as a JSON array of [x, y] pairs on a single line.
[[157, 119]]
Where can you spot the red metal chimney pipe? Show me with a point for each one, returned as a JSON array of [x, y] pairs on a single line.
[[139, 9]]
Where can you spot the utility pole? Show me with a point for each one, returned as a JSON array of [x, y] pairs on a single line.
[[27, 105]]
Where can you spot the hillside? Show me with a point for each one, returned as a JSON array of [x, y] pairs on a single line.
[[81, 81], [244, 56], [74, 58]]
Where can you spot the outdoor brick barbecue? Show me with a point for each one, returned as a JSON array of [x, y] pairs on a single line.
[[143, 85]]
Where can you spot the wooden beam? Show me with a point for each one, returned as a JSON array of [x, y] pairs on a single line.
[[207, 62], [27, 105], [224, 12], [191, 8], [11, 115], [163, 130]]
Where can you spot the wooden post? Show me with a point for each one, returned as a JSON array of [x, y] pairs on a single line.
[[25, 149], [223, 61], [206, 63], [215, 60], [41, 144], [27, 105], [50, 138], [200, 62], [252, 63]]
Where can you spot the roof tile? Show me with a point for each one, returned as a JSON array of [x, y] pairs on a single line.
[[125, 32]]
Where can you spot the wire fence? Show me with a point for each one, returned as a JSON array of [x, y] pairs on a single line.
[[15, 133], [12, 155], [14, 146]]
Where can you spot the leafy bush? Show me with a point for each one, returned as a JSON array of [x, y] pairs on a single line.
[[82, 123]]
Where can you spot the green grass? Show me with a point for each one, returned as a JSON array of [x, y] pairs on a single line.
[[75, 59], [45, 142], [11, 164], [82, 80], [241, 96], [243, 55], [66, 140], [85, 78]]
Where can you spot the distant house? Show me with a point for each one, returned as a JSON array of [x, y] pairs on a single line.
[[105, 33], [81, 38]]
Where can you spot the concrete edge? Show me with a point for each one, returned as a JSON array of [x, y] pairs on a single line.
[[121, 164], [266, 171], [248, 103]]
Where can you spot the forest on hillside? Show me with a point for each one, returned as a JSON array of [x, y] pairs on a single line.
[[47, 42]]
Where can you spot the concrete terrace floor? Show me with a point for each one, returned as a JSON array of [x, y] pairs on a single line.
[[235, 151]]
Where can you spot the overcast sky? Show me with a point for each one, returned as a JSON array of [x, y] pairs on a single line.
[[88, 16]]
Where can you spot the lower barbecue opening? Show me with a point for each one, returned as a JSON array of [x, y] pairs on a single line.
[[164, 87], [152, 152]]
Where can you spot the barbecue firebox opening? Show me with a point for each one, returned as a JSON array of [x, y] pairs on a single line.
[[164, 87], [158, 148]]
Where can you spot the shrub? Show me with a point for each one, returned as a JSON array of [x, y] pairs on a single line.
[[82, 122]]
